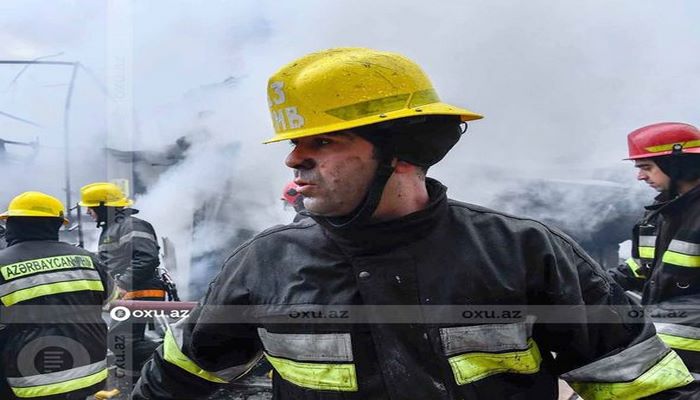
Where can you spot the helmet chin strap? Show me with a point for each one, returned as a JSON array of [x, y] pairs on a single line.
[[669, 165], [366, 209], [101, 212]]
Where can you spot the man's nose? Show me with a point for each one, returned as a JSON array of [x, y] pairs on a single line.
[[641, 176], [298, 159]]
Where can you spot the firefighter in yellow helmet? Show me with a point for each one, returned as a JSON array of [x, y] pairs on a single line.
[[385, 245], [53, 341], [128, 246]]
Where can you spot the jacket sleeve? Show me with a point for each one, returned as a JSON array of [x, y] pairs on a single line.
[[600, 351], [207, 349], [110, 286], [629, 275], [141, 243]]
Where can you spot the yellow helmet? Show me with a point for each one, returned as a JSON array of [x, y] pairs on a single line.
[[103, 194], [345, 88], [35, 204]]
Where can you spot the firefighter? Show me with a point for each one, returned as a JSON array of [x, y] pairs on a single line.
[[666, 242], [56, 348], [365, 126], [128, 246]]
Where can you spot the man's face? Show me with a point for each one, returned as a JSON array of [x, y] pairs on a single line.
[[650, 173], [333, 171], [92, 214]]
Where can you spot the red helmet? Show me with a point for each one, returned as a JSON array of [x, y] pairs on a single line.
[[291, 193], [663, 139]]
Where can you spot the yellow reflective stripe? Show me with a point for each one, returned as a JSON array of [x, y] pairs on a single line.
[[385, 104], [471, 367], [669, 147], [680, 343], [423, 97], [50, 289], [319, 376], [634, 267], [29, 267], [173, 355], [668, 373], [370, 107], [682, 260], [60, 387], [646, 252]]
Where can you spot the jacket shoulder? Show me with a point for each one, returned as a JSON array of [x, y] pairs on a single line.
[[140, 224], [78, 250], [41, 249], [280, 234], [268, 248], [484, 217]]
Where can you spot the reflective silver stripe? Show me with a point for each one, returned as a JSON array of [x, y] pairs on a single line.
[[126, 238], [688, 248], [137, 234], [57, 377], [634, 296], [624, 366], [308, 347], [486, 338], [108, 247], [52, 277], [178, 332], [227, 374], [647, 241], [685, 331]]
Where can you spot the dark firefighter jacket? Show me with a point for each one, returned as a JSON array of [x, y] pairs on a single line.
[[445, 255], [666, 259], [128, 246], [53, 341], [3, 244]]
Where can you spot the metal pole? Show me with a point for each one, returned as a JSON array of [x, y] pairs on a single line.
[[37, 62], [78, 226], [81, 242], [16, 118], [66, 136]]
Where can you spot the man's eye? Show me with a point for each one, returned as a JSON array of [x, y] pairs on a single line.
[[322, 142]]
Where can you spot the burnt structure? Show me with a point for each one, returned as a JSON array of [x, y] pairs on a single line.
[[599, 215]]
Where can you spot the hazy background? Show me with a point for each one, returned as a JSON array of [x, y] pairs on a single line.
[[560, 83]]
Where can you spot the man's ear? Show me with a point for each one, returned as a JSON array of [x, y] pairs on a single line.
[[403, 167]]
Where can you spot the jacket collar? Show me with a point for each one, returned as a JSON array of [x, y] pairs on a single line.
[[109, 216], [373, 237], [665, 206], [23, 229]]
